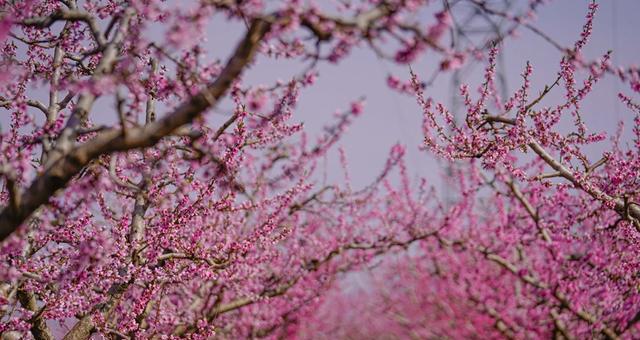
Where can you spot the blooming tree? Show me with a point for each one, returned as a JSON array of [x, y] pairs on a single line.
[[540, 242], [150, 217]]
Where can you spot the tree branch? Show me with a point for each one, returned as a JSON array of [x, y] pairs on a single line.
[[67, 15], [62, 171], [39, 328]]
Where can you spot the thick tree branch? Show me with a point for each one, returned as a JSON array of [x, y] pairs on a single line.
[[39, 328]]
